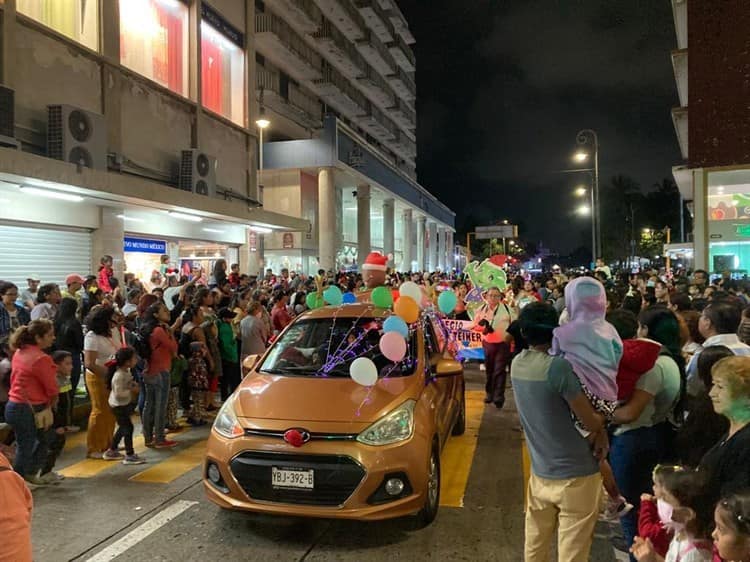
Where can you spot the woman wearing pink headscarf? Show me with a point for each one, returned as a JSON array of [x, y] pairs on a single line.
[[593, 347]]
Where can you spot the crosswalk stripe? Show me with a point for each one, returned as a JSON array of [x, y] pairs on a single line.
[[174, 467], [458, 454]]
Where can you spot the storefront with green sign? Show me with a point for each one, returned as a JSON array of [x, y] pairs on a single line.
[[729, 222]]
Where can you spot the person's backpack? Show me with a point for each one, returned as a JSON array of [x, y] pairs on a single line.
[[141, 344]]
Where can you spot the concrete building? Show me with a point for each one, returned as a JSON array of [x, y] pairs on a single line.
[[711, 65], [336, 80], [127, 128]]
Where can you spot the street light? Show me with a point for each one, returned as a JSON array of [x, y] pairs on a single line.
[[588, 139], [580, 191], [583, 210]]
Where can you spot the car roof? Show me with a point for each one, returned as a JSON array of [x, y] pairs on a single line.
[[355, 310]]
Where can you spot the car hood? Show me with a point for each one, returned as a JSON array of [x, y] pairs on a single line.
[[321, 399]]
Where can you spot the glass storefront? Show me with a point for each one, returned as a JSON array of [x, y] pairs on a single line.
[[76, 19], [294, 260], [729, 222], [154, 41]]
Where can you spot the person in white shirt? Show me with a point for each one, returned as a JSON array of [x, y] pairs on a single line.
[[122, 401], [718, 323]]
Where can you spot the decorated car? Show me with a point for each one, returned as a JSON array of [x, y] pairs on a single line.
[[345, 416]]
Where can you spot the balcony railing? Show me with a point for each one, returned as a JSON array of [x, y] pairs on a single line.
[[344, 17], [303, 15], [377, 89], [376, 123], [403, 85], [375, 19], [306, 103], [279, 43], [680, 67], [338, 92], [403, 55], [376, 54], [340, 51], [266, 79], [404, 115]]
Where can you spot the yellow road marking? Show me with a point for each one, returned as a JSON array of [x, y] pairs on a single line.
[[91, 467], [174, 467], [458, 454]]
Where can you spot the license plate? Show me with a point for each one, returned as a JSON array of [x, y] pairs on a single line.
[[281, 478]]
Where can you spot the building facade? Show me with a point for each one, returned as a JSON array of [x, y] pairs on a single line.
[[711, 66], [127, 128], [336, 81]]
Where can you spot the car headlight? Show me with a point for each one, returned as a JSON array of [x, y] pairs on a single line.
[[226, 423], [394, 427]]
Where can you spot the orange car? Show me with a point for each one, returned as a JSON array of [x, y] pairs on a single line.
[[300, 437]]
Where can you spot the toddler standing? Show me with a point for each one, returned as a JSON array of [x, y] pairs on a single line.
[[123, 400]]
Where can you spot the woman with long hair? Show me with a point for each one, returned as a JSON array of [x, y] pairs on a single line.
[[204, 298], [644, 436], [33, 391], [161, 348], [99, 347], [218, 274], [12, 317], [69, 337]]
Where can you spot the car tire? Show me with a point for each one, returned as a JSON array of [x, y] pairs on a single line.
[[460, 426], [429, 510]]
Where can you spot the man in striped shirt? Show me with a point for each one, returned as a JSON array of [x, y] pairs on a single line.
[[718, 324]]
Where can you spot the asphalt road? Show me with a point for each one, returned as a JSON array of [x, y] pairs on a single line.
[[106, 511]]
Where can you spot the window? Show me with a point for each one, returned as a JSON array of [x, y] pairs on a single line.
[[154, 41], [223, 74], [77, 19]]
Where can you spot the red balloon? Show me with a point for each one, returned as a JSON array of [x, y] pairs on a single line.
[[395, 294]]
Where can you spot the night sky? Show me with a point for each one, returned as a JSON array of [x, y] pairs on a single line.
[[504, 86]]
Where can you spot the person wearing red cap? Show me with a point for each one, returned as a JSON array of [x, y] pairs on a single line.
[[74, 283], [373, 274]]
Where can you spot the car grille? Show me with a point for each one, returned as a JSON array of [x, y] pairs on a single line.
[[336, 477]]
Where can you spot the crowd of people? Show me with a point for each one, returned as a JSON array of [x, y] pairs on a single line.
[[638, 384]]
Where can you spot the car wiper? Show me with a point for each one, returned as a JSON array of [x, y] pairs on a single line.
[[287, 370]]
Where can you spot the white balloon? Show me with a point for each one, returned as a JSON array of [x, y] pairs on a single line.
[[411, 289], [363, 371]]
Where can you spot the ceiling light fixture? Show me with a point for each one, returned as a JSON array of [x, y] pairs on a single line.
[[52, 194], [214, 230], [260, 229], [185, 216]]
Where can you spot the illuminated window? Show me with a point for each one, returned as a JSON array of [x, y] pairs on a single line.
[[223, 74], [77, 19], [154, 41]]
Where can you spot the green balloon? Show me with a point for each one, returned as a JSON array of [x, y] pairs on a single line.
[[314, 300], [382, 297]]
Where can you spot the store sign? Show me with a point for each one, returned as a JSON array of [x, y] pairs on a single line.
[[144, 246], [211, 16], [743, 230], [287, 241], [356, 157]]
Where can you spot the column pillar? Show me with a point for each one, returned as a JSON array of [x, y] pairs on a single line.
[[363, 223], [450, 250], [700, 221], [109, 240], [421, 226], [388, 229], [441, 248], [433, 256], [326, 219], [407, 230]]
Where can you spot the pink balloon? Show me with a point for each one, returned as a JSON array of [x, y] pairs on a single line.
[[393, 346]]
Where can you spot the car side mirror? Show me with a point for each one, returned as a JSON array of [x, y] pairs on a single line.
[[449, 368], [249, 363]]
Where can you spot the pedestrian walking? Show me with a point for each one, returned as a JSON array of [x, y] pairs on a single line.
[[492, 320]]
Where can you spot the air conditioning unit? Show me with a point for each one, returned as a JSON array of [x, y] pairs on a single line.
[[197, 173], [77, 136]]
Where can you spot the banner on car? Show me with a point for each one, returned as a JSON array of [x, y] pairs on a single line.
[[468, 341]]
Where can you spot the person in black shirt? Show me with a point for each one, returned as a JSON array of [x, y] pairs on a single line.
[[728, 462], [69, 337]]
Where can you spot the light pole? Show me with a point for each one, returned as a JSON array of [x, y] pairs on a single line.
[[584, 210], [588, 138]]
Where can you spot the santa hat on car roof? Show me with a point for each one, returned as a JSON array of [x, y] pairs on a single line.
[[377, 261]]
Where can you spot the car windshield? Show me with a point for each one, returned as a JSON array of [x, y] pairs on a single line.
[[326, 347]]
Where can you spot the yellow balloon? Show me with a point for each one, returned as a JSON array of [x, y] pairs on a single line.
[[407, 308]]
